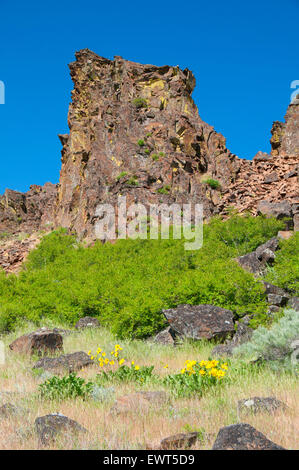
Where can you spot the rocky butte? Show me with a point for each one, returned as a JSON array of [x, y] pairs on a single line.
[[135, 131]]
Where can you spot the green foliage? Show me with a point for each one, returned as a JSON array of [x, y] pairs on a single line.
[[122, 175], [3, 235], [133, 181], [141, 143], [164, 190], [155, 157], [127, 374], [285, 272], [70, 386], [196, 377], [126, 285], [147, 151], [214, 184], [273, 344], [139, 103]]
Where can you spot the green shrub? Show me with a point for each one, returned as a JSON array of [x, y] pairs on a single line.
[[155, 157], [133, 181], [139, 103], [127, 374], [127, 284], [70, 386], [122, 175], [214, 184], [141, 143], [285, 272], [164, 190]]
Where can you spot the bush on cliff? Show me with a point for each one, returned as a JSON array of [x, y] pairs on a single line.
[[127, 285]]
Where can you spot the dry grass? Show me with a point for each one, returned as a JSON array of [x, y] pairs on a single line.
[[144, 429]]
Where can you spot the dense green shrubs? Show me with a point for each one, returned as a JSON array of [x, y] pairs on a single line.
[[285, 272], [126, 285]]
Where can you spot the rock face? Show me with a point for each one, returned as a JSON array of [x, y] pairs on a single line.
[[135, 131], [200, 321], [243, 437], [50, 426], [39, 342], [28, 212]]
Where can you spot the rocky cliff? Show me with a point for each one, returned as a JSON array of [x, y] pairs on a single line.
[[135, 131]]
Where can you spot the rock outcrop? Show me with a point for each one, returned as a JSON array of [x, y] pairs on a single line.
[[135, 131]]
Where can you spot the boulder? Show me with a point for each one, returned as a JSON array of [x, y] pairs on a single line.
[[166, 337], [278, 300], [179, 441], [200, 321], [272, 289], [256, 261], [242, 436], [243, 335], [260, 404], [50, 426], [138, 401], [65, 363], [41, 342], [296, 222], [279, 210], [87, 322]]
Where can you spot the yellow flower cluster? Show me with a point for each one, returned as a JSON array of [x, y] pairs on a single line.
[[205, 368], [102, 359]]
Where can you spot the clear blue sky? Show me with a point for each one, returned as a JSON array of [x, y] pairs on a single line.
[[244, 56]]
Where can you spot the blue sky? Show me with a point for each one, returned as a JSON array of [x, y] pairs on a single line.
[[244, 56]]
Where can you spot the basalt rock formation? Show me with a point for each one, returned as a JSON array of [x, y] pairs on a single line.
[[135, 131]]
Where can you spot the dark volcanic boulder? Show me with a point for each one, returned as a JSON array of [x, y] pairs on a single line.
[[65, 363], [200, 321], [242, 436], [87, 322], [256, 261], [49, 426], [242, 335], [166, 336], [39, 342], [279, 210]]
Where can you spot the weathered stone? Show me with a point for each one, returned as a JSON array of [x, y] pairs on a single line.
[[200, 321], [285, 234], [262, 157], [296, 222], [243, 437], [139, 401], [87, 322], [243, 335], [166, 336], [256, 261], [39, 342], [272, 289], [279, 300], [50, 426], [65, 363], [260, 404], [279, 210], [179, 441]]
